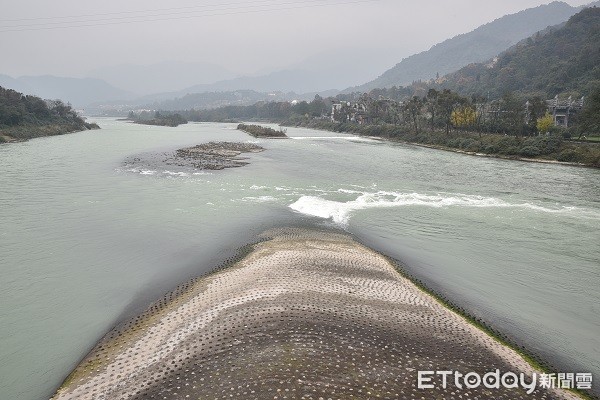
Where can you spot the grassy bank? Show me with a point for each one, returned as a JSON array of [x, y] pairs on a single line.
[[30, 131], [537, 148]]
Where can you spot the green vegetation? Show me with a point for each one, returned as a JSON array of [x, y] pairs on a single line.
[[542, 147], [560, 60], [479, 45], [262, 131], [25, 117], [589, 118], [505, 127], [262, 111], [594, 139], [159, 118], [499, 109], [545, 123], [509, 127]]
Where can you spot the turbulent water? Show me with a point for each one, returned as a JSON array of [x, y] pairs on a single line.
[[89, 233]]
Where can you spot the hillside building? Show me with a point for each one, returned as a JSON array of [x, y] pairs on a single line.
[[563, 111]]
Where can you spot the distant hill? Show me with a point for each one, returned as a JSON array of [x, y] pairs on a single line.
[[161, 77], [564, 59], [14, 84], [78, 91], [479, 45], [327, 71], [291, 80]]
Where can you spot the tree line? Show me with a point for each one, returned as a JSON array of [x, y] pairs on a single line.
[[164, 118], [446, 110], [275, 111], [17, 109], [25, 116]]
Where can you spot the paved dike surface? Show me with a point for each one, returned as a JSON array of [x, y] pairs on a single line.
[[306, 314]]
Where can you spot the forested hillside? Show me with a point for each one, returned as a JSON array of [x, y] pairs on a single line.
[[479, 45], [24, 117], [559, 61]]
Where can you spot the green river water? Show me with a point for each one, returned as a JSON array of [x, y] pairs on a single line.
[[87, 239]]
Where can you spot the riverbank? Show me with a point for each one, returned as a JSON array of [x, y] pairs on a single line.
[[542, 149], [24, 132], [304, 314]]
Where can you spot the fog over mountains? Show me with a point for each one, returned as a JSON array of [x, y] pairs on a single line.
[[570, 55], [325, 72], [479, 45], [166, 76], [77, 91]]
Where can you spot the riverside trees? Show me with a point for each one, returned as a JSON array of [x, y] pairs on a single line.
[[17, 108], [449, 111], [513, 114], [24, 117], [589, 119], [505, 127]]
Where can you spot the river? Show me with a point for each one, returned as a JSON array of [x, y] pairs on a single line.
[[87, 239]]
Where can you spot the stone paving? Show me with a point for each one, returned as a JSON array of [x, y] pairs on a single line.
[[305, 315]]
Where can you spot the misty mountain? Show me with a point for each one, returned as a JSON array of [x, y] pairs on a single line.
[[562, 59], [340, 68], [175, 101], [479, 45], [167, 76], [78, 91], [279, 81], [289, 82], [14, 84], [324, 71]]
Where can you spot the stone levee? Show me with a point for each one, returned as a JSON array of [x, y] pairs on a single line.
[[306, 314]]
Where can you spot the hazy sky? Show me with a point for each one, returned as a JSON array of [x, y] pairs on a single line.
[[243, 36]]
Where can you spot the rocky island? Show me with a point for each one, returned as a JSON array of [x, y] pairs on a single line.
[[205, 156], [215, 155], [262, 131], [305, 314]]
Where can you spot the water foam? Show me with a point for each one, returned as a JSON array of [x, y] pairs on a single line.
[[181, 174], [340, 212]]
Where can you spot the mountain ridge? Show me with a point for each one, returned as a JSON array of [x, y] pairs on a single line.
[[79, 92], [564, 59], [479, 45]]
